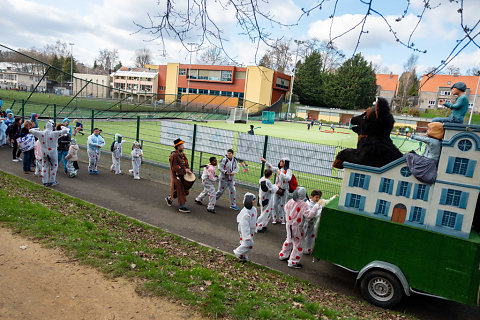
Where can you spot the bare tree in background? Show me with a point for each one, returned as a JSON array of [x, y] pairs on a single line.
[[107, 59], [451, 69], [279, 56], [332, 57], [408, 80], [475, 71], [193, 21], [213, 56], [143, 56], [59, 48]]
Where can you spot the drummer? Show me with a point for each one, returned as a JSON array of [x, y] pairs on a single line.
[[178, 168]]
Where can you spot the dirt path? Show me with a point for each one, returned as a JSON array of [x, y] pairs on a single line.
[[39, 283]]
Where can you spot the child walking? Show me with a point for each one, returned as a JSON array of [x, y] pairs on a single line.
[[266, 191], [72, 159], [296, 210], [116, 150], [209, 177], [137, 154], [38, 158], [310, 226], [246, 220]]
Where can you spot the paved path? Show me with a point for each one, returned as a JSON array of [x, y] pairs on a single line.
[[144, 200]]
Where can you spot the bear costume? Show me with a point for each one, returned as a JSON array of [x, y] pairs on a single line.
[[374, 146]]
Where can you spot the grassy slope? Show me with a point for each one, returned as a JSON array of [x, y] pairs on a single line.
[[164, 264]]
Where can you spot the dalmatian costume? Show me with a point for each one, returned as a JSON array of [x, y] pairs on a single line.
[[228, 168], [283, 183], [310, 227], [94, 144], [48, 147], [247, 225], [209, 177], [266, 192], [137, 154], [297, 211], [117, 154]]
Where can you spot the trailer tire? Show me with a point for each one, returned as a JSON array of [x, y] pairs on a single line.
[[381, 288]]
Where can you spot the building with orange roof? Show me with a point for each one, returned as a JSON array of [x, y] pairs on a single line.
[[433, 88], [387, 86]]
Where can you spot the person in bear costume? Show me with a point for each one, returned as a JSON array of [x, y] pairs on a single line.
[[374, 146]]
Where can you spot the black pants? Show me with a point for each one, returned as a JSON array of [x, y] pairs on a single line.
[[16, 152]]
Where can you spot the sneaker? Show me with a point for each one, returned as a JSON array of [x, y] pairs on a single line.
[[284, 258], [296, 266], [261, 230], [234, 208], [274, 222], [135, 178], [15, 160], [283, 222], [96, 172], [90, 172], [211, 210], [19, 159], [53, 183], [46, 184], [169, 201], [184, 210], [198, 202]]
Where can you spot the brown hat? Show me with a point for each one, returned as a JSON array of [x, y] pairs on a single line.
[[436, 130], [177, 142]]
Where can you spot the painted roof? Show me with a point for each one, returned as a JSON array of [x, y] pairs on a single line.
[[442, 80], [387, 82]]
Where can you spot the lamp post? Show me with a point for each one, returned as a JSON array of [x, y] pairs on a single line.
[[298, 42], [188, 74], [71, 64], [474, 100]]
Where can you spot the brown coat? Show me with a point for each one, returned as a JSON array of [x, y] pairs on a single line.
[[178, 165]]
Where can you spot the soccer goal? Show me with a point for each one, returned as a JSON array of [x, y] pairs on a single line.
[[238, 115]]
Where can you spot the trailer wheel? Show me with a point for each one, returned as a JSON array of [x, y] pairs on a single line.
[[381, 288]]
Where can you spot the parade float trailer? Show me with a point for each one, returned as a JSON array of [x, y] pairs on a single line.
[[402, 236]]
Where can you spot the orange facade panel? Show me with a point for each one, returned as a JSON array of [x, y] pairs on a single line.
[[203, 99]]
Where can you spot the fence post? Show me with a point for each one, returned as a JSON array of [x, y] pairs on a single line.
[[200, 164], [92, 123], [138, 128], [193, 145], [23, 110], [265, 144], [55, 113]]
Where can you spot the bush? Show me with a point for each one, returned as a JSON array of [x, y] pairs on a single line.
[[298, 119], [414, 112]]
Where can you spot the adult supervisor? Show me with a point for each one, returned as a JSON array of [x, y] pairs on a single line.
[[178, 168]]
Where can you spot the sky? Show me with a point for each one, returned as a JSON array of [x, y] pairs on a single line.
[[93, 25]]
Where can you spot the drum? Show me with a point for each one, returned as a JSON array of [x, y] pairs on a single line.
[[188, 180]]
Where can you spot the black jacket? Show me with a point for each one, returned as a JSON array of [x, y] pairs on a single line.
[[64, 142]]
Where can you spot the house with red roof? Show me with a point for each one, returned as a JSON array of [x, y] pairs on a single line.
[[387, 86]]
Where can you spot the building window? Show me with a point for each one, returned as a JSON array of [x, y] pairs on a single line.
[[240, 75], [359, 180], [355, 201], [215, 92], [445, 93], [226, 76], [202, 91], [421, 192], [382, 207], [431, 102], [403, 189], [449, 218], [192, 90], [464, 145], [449, 82], [386, 186], [416, 214], [181, 72], [455, 198], [405, 172], [460, 166], [226, 93], [282, 83], [182, 90]]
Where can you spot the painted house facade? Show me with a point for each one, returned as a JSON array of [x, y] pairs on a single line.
[[393, 193]]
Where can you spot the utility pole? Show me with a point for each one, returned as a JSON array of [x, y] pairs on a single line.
[[474, 100], [298, 42], [71, 65], [188, 75]]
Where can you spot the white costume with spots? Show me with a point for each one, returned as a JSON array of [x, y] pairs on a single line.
[[228, 168], [48, 147], [266, 192], [283, 182], [209, 177], [310, 226], [94, 144], [297, 211], [247, 226], [117, 154], [137, 154]]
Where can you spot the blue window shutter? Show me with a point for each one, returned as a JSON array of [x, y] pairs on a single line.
[[377, 206], [451, 161], [415, 191], [459, 222], [443, 197], [347, 200], [387, 208], [390, 189], [398, 188], [352, 177], [362, 203], [366, 183], [463, 200], [409, 188], [422, 217], [410, 216], [471, 168], [427, 188], [439, 218], [382, 181]]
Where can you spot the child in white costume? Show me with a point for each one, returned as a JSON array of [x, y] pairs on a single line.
[[116, 153], [228, 167], [72, 159], [247, 225], [209, 177], [137, 154], [38, 158], [284, 175], [297, 211], [94, 143], [310, 226], [48, 146], [266, 192]]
